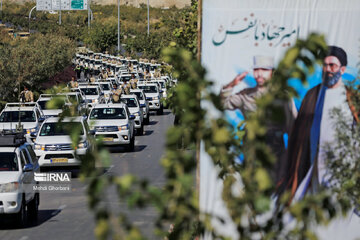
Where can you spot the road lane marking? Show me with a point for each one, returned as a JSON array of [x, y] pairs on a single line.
[[110, 168], [58, 210], [24, 238]]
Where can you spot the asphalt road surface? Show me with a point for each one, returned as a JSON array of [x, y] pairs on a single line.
[[66, 215]]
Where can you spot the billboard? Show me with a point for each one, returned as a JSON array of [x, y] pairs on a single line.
[[56, 5], [237, 35]]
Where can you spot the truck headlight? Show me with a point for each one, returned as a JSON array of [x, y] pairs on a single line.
[[156, 98], [137, 114], [40, 147], [30, 130], [9, 187], [124, 127], [82, 145], [95, 100]]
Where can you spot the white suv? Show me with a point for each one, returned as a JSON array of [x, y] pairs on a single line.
[[53, 144], [153, 95], [144, 104], [48, 112], [93, 95], [114, 123], [18, 163], [31, 118], [133, 104]]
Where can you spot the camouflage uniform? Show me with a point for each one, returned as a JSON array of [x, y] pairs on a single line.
[[116, 94], [157, 74], [27, 96], [147, 76], [126, 87], [133, 83], [74, 84], [104, 75]]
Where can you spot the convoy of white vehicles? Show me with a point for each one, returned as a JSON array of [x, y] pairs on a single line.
[[34, 136]]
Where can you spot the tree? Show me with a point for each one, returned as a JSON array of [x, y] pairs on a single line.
[[102, 36], [32, 62]]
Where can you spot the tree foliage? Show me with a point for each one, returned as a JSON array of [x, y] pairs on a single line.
[[186, 35], [32, 62], [103, 33]]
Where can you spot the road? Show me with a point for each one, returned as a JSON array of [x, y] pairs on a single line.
[[66, 215]]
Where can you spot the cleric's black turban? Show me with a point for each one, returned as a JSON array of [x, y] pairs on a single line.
[[339, 53]]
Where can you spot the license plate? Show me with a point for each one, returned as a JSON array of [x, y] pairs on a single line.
[[59, 160], [108, 139]]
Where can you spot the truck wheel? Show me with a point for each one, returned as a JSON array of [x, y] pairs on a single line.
[[33, 207], [21, 216], [161, 110], [147, 119], [131, 146], [141, 130]]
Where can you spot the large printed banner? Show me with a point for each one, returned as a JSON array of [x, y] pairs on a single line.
[[235, 31]]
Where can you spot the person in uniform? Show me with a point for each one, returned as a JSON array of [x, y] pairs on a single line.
[[26, 95], [245, 101], [131, 67], [147, 75], [78, 71], [86, 72], [126, 87], [103, 74], [109, 72], [157, 73], [73, 83], [133, 82], [116, 93]]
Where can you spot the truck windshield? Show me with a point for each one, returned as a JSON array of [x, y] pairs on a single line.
[[108, 113], [60, 129], [90, 91], [130, 102], [149, 89], [139, 95], [13, 116], [8, 162], [105, 87]]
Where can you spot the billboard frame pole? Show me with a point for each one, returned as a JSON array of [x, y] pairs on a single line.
[[198, 141]]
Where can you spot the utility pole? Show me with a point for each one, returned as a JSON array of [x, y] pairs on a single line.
[[148, 18], [60, 13], [118, 48], [1, 11], [89, 16]]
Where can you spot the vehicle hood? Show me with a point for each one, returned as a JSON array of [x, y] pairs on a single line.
[[12, 126], [134, 110], [151, 94], [88, 97], [52, 112], [113, 122], [9, 176], [55, 140]]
